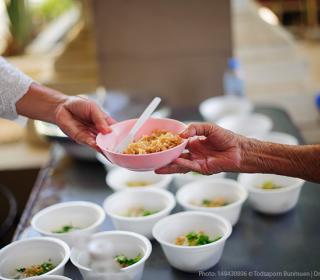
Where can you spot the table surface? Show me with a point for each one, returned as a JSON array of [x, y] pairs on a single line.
[[289, 242]]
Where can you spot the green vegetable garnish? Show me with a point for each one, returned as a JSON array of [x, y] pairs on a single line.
[[125, 262], [206, 202], [46, 267], [139, 212], [269, 185], [65, 229], [215, 202], [34, 270], [195, 239], [148, 213]]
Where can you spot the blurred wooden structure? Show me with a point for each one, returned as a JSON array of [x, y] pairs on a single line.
[[277, 70], [300, 16], [176, 49]]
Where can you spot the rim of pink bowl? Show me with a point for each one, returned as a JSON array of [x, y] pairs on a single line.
[[184, 141]]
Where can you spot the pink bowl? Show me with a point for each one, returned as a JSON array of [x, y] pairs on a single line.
[[108, 142]]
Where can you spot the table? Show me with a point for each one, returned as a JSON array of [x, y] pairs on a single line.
[[289, 242]]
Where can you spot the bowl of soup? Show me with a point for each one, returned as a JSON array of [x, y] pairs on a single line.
[[221, 196], [139, 210], [192, 241], [127, 252], [67, 220], [119, 179], [33, 257], [271, 194]]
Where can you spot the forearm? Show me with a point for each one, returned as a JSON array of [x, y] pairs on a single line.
[[296, 161], [40, 103]]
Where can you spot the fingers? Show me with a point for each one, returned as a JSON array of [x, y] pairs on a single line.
[[172, 168], [198, 129], [110, 120], [75, 129], [188, 164], [100, 119]]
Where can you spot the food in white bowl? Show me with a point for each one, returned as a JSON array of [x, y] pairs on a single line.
[[281, 138], [254, 125], [218, 107], [183, 179], [192, 258], [138, 210], [33, 257], [271, 194], [49, 277], [129, 253], [195, 238], [67, 219], [123, 179], [224, 197]]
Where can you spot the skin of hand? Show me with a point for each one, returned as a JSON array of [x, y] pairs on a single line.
[[216, 150], [212, 149], [78, 117]]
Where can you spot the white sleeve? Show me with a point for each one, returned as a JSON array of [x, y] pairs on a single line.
[[13, 85]]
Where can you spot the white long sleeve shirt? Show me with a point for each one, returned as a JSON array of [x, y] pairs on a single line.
[[13, 85]]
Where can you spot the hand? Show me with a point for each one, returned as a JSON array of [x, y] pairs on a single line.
[[82, 119], [213, 151]]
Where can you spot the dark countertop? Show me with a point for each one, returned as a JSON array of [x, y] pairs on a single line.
[[289, 242]]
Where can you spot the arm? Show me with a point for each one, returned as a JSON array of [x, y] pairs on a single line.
[[77, 117], [219, 150], [289, 160]]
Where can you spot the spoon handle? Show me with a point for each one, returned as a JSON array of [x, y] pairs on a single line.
[[139, 123]]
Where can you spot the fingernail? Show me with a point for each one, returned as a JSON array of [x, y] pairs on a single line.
[[105, 130]]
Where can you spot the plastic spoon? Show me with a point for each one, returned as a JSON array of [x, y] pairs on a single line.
[[139, 123]]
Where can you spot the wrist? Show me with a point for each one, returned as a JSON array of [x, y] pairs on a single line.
[[252, 155], [40, 103], [265, 157]]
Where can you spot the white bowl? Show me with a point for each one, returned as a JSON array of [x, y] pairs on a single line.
[[218, 107], [253, 125], [117, 179], [151, 199], [87, 216], [24, 253], [49, 277], [276, 201], [281, 138], [192, 258], [127, 243], [210, 188], [106, 163], [183, 179]]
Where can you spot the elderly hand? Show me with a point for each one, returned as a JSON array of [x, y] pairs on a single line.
[[213, 150], [82, 119]]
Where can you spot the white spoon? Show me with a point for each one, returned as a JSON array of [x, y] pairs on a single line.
[[139, 123]]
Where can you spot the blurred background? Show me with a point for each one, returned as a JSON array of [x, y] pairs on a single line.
[[117, 49]]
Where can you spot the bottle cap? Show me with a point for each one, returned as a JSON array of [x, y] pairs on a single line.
[[233, 63]]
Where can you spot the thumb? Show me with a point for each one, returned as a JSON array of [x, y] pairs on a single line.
[[198, 129]]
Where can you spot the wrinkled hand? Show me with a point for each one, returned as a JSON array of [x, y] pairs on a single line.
[[214, 150], [82, 119]]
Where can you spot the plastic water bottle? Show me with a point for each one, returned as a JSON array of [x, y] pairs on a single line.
[[233, 82], [317, 101]]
